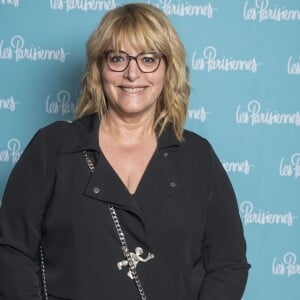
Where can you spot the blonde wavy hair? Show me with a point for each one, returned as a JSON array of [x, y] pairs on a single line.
[[146, 28]]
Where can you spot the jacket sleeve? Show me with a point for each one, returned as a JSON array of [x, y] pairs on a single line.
[[21, 216], [224, 252]]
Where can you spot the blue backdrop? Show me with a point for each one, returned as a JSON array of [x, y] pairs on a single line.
[[244, 58]]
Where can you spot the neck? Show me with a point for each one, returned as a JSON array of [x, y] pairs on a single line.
[[127, 131]]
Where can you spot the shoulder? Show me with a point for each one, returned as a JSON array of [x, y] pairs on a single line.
[[40, 153], [48, 138], [55, 128], [194, 141], [198, 148], [201, 152], [67, 137]]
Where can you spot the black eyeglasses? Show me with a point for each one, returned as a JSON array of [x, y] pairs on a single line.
[[147, 62]]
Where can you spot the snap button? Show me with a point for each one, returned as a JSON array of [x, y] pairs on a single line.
[[172, 184], [96, 190], [166, 154]]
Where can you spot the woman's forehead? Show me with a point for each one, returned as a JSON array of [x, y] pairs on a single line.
[[134, 41], [130, 49]]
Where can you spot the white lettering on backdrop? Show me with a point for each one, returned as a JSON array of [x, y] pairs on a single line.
[[293, 66], [287, 266], [8, 104], [12, 152], [208, 61], [262, 11], [18, 51], [83, 5], [169, 7], [198, 114], [14, 3], [249, 216], [243, 167], [253, 115], [291, 168], [61, 104]]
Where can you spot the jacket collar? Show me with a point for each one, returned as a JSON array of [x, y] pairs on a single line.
[[83, 135]]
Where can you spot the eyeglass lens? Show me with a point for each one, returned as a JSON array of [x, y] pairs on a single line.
[[147, 62]]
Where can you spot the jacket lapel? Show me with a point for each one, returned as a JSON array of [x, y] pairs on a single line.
[[158, 182], [105, 185]]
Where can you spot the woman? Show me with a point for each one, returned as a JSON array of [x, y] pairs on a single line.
[[125, 166]]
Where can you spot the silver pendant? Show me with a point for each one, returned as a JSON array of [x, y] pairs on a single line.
[[136, 258]]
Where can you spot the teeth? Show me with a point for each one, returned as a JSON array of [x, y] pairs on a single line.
[[133, 90]]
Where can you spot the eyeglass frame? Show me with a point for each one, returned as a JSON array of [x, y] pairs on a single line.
[[130, 57]]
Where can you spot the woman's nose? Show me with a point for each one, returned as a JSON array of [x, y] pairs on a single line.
[[132, 72]]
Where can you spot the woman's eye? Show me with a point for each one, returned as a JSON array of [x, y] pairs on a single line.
[[148, 59], [117, 59]]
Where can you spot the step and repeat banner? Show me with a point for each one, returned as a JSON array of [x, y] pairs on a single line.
[[244, 60]]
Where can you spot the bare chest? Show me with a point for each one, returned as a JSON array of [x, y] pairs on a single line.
[[129, 162]]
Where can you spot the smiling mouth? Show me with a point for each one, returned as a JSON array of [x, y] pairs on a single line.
[[132, 90]]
